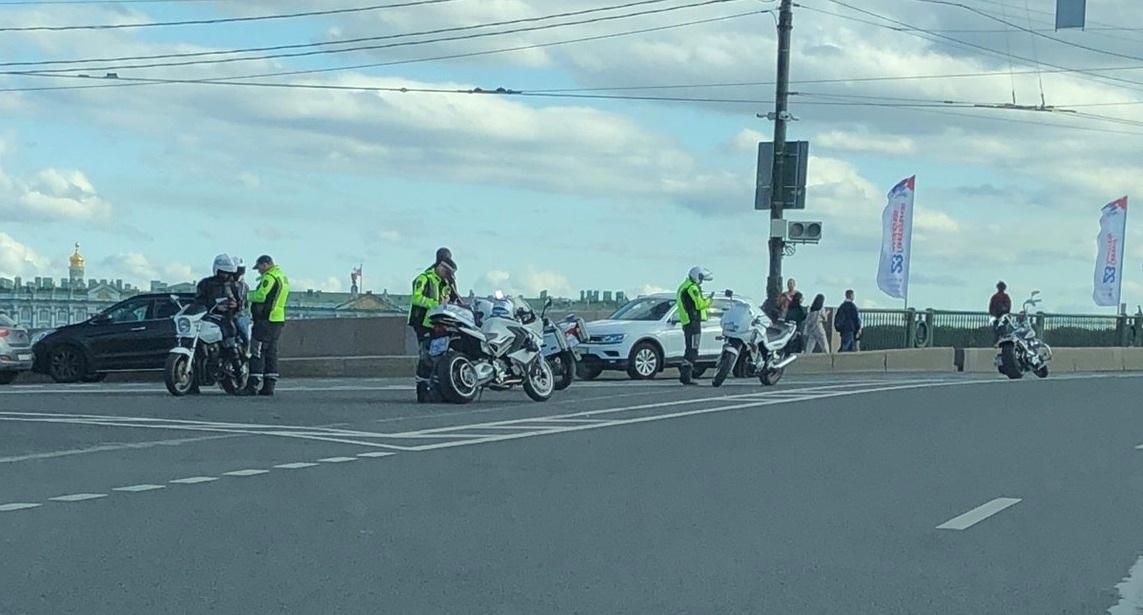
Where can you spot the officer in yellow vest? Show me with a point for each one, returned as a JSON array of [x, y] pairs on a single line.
[[693, 309], [430, 289], [268, 307]]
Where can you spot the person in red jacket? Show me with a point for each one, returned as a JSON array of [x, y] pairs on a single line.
[[999, 305]]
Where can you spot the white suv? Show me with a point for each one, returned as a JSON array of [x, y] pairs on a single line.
[[644, 337]]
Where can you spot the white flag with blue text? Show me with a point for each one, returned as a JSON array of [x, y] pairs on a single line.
[[1109, 260], [897, 240]]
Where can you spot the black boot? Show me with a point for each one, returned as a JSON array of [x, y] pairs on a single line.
[[253, 385], [422, 392], [685, 371], [268, 388]]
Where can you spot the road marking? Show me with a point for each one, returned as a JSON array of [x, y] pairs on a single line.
[[375, 454], [295, 466], [110, 447], [337, 459], [245, 472], [978, 514], [194, 480], [78, 497], [1130, 592], [138, 488], [18, 506]]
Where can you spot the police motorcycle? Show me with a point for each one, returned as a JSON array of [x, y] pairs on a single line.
[[494, 344], [753, 342], [199, 357], [560, 341], [1020, 350]]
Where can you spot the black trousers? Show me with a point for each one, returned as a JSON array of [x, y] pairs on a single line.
[[692, 336], [424, 361], [264, 350]]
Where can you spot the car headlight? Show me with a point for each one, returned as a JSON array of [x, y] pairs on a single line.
[[613, 338]]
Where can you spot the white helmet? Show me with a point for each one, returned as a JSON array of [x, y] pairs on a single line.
[[224, 263], [698, 275]]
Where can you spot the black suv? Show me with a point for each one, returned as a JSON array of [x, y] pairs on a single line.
[[133, 335]]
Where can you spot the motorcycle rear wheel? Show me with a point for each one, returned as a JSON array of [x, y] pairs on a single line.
[[456, 377]]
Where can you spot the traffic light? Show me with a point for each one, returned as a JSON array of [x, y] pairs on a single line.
[[797, 231]]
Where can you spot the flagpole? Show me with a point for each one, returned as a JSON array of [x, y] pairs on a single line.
[[1122, 259]]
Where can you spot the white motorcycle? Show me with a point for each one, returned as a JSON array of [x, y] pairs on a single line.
[[492, 344], [1020, 350], [752, 338], [560, 341], [199, 357]]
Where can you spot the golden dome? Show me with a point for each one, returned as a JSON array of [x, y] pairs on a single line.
[[77, 258]]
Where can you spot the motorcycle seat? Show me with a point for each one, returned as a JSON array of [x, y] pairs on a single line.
[[777, 332]]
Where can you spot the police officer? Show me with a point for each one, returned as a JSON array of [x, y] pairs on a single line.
[[430, 289], [268, 308], [693, 307]]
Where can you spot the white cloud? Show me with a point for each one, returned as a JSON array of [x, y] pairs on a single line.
[[50, 195], [17, 259], [864, 142], [138, 269], [328, 285], [528, 282]]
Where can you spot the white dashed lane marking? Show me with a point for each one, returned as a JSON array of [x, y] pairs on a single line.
[[192, 480]]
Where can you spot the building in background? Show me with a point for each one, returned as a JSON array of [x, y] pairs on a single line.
[[44, 302]]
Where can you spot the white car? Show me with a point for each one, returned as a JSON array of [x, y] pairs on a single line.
[[644, 337]]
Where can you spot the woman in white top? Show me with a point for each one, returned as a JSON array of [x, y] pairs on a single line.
[[814, 327]]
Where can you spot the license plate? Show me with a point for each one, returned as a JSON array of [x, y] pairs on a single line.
[[439, 345], [23, 357]]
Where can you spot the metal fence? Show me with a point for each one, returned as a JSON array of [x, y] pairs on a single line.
[[889, 329]]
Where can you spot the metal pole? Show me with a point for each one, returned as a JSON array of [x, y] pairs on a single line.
[[777, 189]]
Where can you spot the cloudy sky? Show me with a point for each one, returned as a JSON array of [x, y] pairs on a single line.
[[628, 158]]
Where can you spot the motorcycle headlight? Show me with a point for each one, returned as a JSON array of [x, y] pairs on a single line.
[[183, 325]]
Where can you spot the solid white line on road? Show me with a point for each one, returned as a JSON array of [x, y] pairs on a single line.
[[245, 472], [110, 447], [337, 459], [138, 488], [194, 480], [375, 454], [978, 514], [295, 466], [79, 497], [18, 506]]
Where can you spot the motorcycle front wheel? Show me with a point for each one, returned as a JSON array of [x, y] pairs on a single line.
[[1008, 362], [539, 383], [725, 364], [178, 375]]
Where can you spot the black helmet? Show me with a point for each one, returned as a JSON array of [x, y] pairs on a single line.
[[444, 255]]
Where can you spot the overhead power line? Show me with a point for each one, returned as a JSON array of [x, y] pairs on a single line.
[[124, 83], [223, 20], [203, 54], [1127, 83], [359, 48]]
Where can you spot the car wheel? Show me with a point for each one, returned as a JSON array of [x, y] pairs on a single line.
[[66, 364], [644, 362]]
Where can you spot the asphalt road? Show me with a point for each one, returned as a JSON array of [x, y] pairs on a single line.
[[912, 494]]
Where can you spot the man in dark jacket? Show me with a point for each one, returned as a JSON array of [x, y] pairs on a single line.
[[218, 286], [847, 322]]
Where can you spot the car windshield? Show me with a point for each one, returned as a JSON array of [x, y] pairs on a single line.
[[646, 308], [5, 321]]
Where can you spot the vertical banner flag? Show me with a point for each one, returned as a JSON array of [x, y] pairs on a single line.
[[1109, 260], [897, 240]]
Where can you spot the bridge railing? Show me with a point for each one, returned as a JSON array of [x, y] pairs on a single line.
[[898, 328]]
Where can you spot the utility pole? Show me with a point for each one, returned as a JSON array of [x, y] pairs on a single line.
[[780, 116]]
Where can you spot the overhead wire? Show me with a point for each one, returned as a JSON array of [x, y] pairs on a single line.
[[366, 39], [223, 20], [119, 67]]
